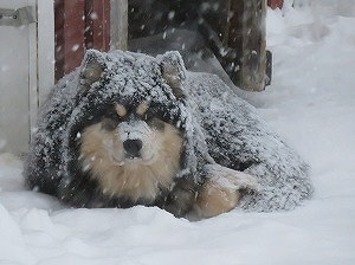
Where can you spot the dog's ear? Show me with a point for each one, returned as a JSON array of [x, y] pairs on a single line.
[[173, 72], [91, 68]]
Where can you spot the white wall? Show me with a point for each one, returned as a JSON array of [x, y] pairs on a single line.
[[15, 65], [26, 73]]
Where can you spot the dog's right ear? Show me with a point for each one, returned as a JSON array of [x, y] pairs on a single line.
[[173, 72], [91, 68]]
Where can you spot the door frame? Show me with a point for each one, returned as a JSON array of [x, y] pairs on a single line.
[[45, 49], [41, 68]]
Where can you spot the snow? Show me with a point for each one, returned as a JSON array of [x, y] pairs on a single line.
[[310, 102]]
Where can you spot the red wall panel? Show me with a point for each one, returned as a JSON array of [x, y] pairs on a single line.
[[98, 24], [79, 25], [275, 3]]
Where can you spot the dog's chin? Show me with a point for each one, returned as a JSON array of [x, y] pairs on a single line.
[[128, 160]]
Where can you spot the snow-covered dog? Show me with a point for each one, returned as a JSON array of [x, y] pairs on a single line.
[[127, 129]]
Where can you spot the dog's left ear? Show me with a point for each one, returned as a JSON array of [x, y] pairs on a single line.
[[173, 72], [91, 68]]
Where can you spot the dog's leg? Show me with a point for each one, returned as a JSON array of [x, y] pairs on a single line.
[[215, 199], [221, 192]]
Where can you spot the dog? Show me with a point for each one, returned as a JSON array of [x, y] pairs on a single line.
[[126, 129], [132, 152]]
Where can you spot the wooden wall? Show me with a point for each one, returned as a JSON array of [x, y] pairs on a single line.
[[240, 25], [79, 25], [275, 3]]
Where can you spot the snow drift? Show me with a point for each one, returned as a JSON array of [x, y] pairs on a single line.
[[311, 102]]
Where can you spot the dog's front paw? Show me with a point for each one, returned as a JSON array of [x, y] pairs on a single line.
[[221, 192]]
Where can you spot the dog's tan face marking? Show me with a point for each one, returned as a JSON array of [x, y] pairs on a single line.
[[120, 110], [142, 108], [103, 156]]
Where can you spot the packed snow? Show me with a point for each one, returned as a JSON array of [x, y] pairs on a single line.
[[311, 102]]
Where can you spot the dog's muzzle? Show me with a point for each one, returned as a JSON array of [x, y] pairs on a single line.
[[133, 134]]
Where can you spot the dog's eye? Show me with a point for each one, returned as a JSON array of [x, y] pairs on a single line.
[[110, 121], [111, 115], [109, 124], [148, 115]]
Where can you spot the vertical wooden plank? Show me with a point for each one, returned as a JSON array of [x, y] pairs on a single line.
[[247, 36], [41, 58], [69, 37], [33, 70], [89, 20], [59, 38], [275, 3], [45, 47], [74, 25], [235, 36], [119, 24], [97, 24], [33, 82], [79, 24]]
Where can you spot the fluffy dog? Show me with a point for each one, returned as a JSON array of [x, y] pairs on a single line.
[[127, 129]]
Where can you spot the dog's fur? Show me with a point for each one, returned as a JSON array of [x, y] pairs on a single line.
[[100, 145]]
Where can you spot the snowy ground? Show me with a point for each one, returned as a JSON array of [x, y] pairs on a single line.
[[311, 102]]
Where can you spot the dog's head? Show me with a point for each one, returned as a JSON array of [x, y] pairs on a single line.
[[133, 138]]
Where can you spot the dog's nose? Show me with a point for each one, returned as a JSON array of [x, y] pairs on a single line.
[[133, 147]]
